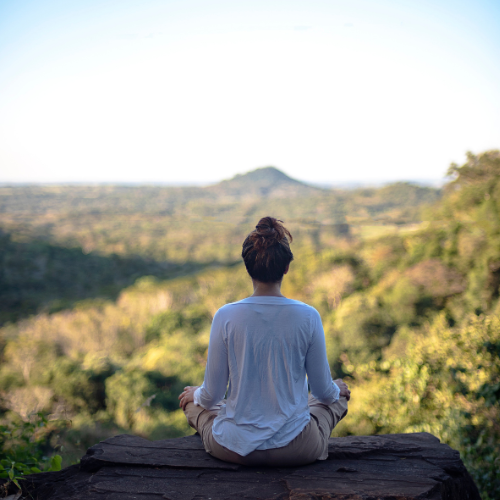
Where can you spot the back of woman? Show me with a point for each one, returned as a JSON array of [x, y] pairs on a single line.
[[260, 351], [267, 342]]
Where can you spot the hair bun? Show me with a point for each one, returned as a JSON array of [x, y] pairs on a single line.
[[270, 231]]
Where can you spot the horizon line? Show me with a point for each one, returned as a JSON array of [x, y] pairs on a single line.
[[429, 182]]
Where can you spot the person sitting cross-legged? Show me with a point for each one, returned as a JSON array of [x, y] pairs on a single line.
[[264, 351]]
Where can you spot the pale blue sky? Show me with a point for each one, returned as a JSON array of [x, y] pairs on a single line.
[[192, 91]]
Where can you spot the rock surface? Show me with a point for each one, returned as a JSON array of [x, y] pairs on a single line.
[[393, 466]]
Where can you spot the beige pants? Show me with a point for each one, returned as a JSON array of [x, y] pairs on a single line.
[[310, 445]]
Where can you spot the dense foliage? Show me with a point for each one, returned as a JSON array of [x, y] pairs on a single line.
[[22, 446], [410, 310]]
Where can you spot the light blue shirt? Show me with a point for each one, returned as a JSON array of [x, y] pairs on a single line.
[[264, 347]]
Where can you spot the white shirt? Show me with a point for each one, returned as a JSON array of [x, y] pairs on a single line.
[[264, 347]]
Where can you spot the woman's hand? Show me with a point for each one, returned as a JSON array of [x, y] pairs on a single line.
[[344, 390], [187, 396]]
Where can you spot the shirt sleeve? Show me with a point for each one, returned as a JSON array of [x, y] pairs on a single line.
[[323, 388], [214, 386]]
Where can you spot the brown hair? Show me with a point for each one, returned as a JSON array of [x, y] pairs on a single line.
[[266, 250]]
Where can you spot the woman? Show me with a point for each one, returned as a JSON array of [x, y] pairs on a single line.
[[264, 346]]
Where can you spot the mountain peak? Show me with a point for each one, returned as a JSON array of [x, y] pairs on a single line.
[[268, 182], [271, 174]]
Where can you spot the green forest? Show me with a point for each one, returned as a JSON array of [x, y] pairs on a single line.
[[107, 295]]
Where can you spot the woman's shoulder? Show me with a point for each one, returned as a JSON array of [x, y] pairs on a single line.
[[285, 302]]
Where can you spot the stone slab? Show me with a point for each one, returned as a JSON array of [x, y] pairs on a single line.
[[390, 467], [184, 452]]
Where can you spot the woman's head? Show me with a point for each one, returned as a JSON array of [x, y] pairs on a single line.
[[266, 250]]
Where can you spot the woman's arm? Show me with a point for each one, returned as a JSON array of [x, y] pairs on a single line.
[[214, 387], [317, 368]]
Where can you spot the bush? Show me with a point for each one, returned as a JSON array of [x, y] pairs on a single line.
[[22, 448], [447, 383]]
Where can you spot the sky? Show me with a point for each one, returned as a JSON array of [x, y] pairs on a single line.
[[192, 92]]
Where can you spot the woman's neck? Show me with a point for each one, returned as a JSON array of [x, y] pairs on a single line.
[[271, 289]]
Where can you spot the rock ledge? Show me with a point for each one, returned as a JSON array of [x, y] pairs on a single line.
[[389, 467]]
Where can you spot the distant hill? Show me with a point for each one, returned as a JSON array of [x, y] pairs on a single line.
[[267, 182]]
